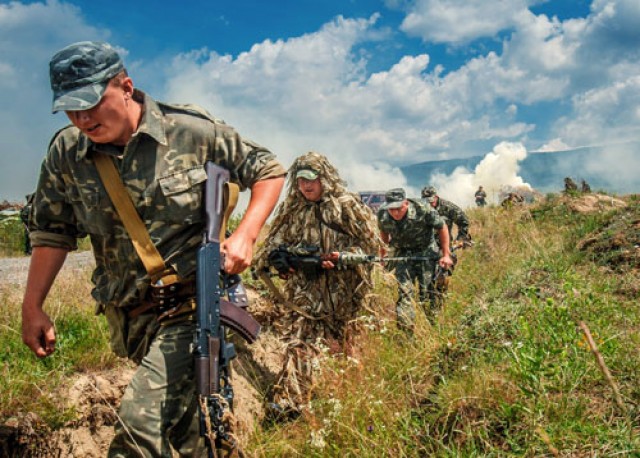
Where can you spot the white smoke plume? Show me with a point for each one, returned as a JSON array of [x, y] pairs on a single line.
[[495, 172]]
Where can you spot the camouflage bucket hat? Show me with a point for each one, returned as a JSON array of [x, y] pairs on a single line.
[[80, 73], [307, 173], [394, 198]]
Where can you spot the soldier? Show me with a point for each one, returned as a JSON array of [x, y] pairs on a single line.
[[159, 151], [481, 197], [317, 211], [452, 214], [408, 226], [513, 198], [24, 217], [584, 187], [569, 185]]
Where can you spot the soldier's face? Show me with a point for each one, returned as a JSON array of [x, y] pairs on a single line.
[[398, 213], [310, 189], [109, 121]]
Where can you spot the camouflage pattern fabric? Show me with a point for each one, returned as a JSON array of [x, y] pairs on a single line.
[[452, 214], [338, 294], [79, 74], [25, 216], [162, 168], [413, 235], [159, 409]]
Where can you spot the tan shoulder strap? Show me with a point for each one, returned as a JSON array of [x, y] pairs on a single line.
[[147, 251]]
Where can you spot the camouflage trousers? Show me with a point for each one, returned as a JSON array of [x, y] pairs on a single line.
[[407, 274], [159, 409]]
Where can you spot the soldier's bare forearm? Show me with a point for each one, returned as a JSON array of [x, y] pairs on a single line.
[[45, 264]]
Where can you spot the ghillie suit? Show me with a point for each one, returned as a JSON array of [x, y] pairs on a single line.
[[325, 305]]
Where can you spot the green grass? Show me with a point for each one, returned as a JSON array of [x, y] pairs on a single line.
[[29, 384]]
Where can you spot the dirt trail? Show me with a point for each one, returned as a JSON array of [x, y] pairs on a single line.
[[14, 270]]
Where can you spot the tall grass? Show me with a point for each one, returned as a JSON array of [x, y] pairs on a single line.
[[505, 372]]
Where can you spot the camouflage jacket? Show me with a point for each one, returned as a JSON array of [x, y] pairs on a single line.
[[452, 214], [162, 168], [413, 234]]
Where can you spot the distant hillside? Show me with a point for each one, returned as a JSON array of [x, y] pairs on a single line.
[[544, 171]]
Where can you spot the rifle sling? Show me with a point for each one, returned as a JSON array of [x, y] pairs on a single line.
[[264, 276], [331, 225], [135, 227]]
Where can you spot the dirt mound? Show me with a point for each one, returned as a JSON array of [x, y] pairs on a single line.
[[617, 243], [590, 203], [95, 399]]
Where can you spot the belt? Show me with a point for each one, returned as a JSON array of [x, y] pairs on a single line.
[[168, 300]]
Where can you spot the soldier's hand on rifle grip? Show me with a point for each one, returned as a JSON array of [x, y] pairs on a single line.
[[238, 253], [445, 262]]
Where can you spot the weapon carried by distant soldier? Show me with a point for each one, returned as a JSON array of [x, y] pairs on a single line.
[[213, 353], [308, 259]]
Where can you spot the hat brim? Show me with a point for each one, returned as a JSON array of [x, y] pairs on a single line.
[[392, 205], [307, 174], [77, 99]]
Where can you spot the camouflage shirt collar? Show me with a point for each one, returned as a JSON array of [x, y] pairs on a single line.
[[151, 124]]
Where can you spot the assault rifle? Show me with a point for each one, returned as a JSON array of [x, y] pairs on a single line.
[[212, 352], [308, 259]]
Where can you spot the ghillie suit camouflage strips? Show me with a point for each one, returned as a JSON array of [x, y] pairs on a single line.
[[338, 222]]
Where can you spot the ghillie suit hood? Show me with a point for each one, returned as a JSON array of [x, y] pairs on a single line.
[[338, 208]]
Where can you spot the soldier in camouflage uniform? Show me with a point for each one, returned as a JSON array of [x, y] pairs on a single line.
[[452, 214], [160, 151], [25, 213], [408, 226], [318, 210], [481, 197]]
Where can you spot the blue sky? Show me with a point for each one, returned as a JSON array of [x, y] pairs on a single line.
[[374, 85]]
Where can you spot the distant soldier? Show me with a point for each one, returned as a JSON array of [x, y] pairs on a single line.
[[584, 186], [451, 213], [408, 226], [570, 185], [513, 198], [24, 217], [481, 197]]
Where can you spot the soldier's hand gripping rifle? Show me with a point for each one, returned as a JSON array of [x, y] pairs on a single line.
[[441, 275], [212, 352]]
